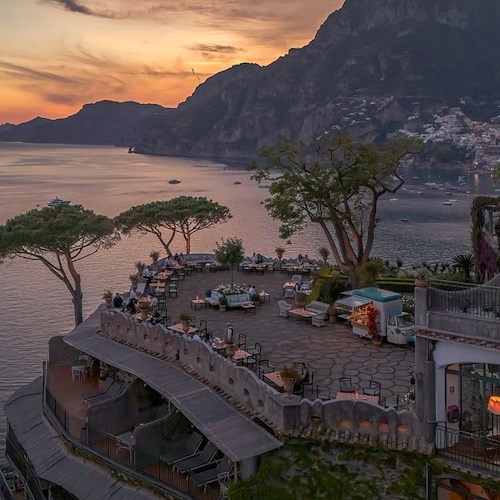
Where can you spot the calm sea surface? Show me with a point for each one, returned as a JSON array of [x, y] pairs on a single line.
[[35, 306]]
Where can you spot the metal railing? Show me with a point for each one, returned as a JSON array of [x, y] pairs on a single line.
[[113, 449], [470, 450], [17, 456], [478, 301]]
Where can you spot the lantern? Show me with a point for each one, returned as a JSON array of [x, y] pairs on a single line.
[[494, 405]]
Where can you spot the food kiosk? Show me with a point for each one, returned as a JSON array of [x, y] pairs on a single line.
[[389, 306]]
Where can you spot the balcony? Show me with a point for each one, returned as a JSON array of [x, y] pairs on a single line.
[[469, 450], [128, 450]]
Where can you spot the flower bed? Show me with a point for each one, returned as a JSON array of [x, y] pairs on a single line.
[[226, 289]]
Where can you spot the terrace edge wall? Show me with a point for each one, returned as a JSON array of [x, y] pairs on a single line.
[[349, 421]]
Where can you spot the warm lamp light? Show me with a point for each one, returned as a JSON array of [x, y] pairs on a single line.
[[494, 405]]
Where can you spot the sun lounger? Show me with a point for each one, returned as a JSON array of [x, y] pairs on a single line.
[[202, 459], [114, 390], [210, 476], [181, 450]]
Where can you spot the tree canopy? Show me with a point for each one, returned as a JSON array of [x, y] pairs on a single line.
[[58, 237], [185, 215], [336, 187], [153, 218], [190, 215], [230, 252]]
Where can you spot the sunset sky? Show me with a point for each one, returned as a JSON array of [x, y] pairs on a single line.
[[56, 55]]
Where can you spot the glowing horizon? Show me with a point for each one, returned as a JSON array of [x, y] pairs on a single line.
[[56, 55]]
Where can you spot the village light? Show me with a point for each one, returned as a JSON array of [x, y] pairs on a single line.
[[494, 405]]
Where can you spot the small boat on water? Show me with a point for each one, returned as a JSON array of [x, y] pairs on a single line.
[[403, 220], [57, 202], [447, 203], [174, 181]]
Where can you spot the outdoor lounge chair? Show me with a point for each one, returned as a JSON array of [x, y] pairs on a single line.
[[284, 307], [296, 278], [187, 449], [206, 477], [202, 459]]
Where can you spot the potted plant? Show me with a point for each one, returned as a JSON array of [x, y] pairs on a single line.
[[255, 298], [422, 277], [229, 252], [140, 267], [208, 293], [108, 298], [185, 318], [289, 375], [144, 307], [222, 303], [155, 255], [230, 348], [280, 252], [324, 253], [134, 279]]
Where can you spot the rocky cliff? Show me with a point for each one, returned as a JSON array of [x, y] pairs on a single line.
[[374, 66], [104, 122]]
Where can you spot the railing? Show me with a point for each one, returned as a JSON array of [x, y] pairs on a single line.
[[4, 488], [470, 450], [465, 299], [110, 447], [16, 454]]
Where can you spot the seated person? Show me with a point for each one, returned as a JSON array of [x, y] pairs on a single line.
[[155, 318], [260, 259], [132, 306], [251, 291], [117, 301]]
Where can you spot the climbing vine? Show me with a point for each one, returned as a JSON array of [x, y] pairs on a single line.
[[487, 258]]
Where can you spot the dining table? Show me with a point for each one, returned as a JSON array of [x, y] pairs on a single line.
[[356, 396], [179, 328], [275, 378]]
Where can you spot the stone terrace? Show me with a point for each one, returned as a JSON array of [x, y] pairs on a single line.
[[331, 352]]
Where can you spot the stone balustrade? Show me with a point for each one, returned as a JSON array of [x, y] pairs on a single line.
[[343, 420]]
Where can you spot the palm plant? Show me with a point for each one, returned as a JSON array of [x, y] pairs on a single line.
[[465, 262]]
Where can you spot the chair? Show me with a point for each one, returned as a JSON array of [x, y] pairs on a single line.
[[264, 367], [203, 326], [223, 479], [77, 373], [346, 385], [319, 320], [252, 362], [391, 402], [323, 396], [289, 293], [296, 278], [308, 384], [242, 341], [373, 389], [284, 307], [84, 360], [172, 290]]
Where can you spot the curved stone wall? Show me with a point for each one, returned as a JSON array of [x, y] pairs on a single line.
[[341, 420]]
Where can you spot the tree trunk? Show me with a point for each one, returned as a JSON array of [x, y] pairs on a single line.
[[78, 304], [353, 275], [232, 276], [188, 243]]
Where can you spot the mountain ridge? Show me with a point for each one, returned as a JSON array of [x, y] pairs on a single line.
[[103, 122]]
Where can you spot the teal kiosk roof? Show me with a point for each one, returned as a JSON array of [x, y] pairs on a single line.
[[377, 294]]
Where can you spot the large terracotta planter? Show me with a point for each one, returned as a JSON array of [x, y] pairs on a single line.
[[421, 283], [288, 384], [230, 350], [143, 305], [185, 326]]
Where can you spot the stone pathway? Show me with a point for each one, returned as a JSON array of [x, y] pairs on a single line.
[[330, 352]]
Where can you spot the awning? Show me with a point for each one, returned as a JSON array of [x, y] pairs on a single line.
[[237, 436], [352, 302]]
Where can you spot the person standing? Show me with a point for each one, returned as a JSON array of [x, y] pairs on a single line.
[[229, 332]]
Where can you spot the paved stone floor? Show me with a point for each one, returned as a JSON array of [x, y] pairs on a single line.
[[330, 352]]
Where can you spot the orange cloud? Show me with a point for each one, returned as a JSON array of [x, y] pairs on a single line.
[[148, 51]]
